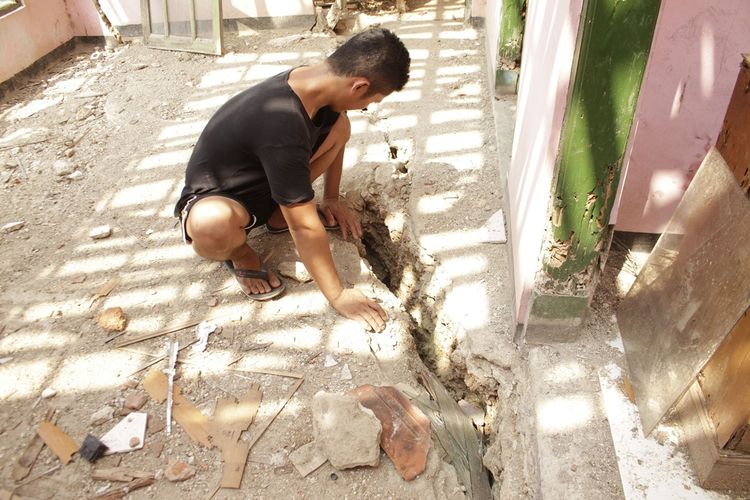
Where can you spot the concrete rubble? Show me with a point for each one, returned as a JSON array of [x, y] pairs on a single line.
[[345, 432]]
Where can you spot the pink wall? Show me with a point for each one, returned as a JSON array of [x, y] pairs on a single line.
[[549, 47], [41, 26], [689, 79], [30, 32]]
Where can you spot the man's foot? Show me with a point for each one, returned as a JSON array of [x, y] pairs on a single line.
[[255, 281]]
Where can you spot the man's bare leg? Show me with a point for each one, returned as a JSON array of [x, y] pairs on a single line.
[[217, 227], [329, 155]]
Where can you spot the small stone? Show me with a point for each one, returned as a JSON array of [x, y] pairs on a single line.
[[212, 302], [62, 168], [78, 279], [134, 441], [334, 476], [12, 226], [178, 471], [135, 401], [75, 175], [69, 152], [112, 319], [100, 416], [138, 66], [330, 361], [100, 232], [294, 270], [48, 393]]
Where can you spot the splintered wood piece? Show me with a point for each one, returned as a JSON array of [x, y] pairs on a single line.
[[406, 435], [235, 457], [231, 417], [60, 443], [26, 462], [121, 474], [184, 412], [117, 492]]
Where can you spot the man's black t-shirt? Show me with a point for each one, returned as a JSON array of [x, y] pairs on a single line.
[[257, 148]]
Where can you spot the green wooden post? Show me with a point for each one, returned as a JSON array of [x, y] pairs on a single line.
[[509, 45], [615, 40]]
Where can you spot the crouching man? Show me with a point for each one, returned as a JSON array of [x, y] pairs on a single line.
[[255, 162]]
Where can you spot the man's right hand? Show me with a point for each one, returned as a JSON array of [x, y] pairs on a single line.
[[353, 304]]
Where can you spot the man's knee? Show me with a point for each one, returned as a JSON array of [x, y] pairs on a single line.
[[216, 223]]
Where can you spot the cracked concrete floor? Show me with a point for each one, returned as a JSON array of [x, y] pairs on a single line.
[[126, 120]]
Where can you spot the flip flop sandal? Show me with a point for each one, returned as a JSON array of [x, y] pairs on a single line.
[[262, 274], [281, 230]]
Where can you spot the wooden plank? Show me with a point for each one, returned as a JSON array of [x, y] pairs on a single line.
[[715, 468], [184, 412], [60, 443], [30, 454], [724, 381], [734, 139], [121, 474]]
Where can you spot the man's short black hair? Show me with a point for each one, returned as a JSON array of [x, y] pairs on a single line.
[[376, 54]]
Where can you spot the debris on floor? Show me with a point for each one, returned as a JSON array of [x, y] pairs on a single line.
[[346, 433], [406, 436], [128, 435], [58, 441]]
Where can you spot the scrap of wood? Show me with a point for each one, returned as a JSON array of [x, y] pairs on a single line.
[[60, 443], [268, 422], [184, 412], [166, 330], [231, 418], [264, 371], [117, 492], [105, 289], [121, 474], [30, 454], [36, 476]]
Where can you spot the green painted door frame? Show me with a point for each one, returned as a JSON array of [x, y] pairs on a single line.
[[614, 41]]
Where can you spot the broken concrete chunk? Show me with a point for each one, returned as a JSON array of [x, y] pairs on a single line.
[[135, 401], [330, 361], [178, 471], [295, 270], [347, 434], [119, 439], [12, 226], [346, 374], [101, 415], [112, 319], [100, 232], [493, 230], [307, 458]]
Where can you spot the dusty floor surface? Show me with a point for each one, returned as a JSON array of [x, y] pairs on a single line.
[[101, 137]]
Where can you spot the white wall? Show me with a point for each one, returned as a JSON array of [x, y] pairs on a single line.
[[548, 51]]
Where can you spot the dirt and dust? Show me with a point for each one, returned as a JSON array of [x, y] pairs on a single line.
[[101, 137]]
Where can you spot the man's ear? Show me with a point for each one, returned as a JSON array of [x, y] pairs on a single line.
[[360, 87]]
